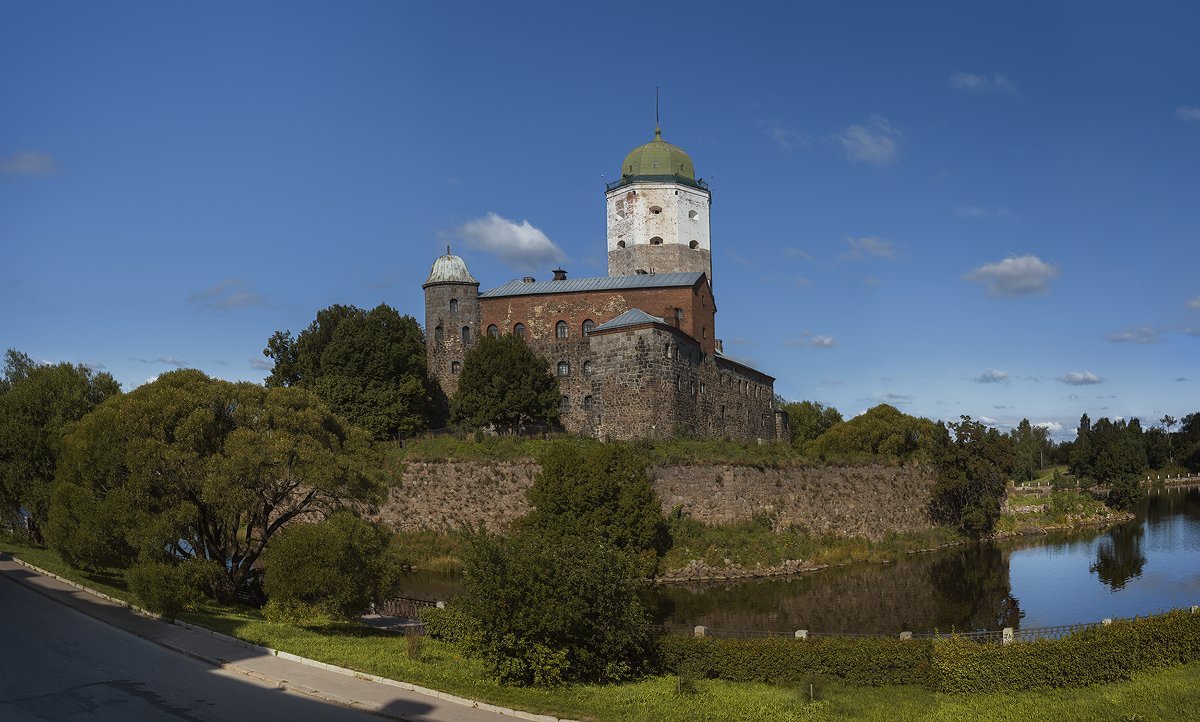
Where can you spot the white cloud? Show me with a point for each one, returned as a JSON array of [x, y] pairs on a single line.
[[992, 376], [227, 295], [168, 360], [261, 364], [28, 162], [1052, 426], [787, 138], [870, 246], [1194, 302], [1019, 276], [797, 253], [521, 246], [981, 212], [1188, 113], [876, 142], [1080, 378], [1142, 334], [977, 83], [811, 341]]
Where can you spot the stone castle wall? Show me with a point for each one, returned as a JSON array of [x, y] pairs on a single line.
[[866, 501]]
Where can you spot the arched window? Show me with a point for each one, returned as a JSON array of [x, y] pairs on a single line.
[[655, 210], [560, 329], [693, 215], [587, 403], [564, 368], [656, 241], [438, 334], [454, 305], [466, 334], [694, 244], [620, 244], [564, 404], [455, 367], [676, 382], [667, 350], [493, 331], [588, 325], [519, 330], [587, 368]]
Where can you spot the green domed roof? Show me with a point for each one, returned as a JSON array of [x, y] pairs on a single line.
[[658, 158]]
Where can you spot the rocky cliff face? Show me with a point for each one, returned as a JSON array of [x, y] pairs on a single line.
[[866, 501]]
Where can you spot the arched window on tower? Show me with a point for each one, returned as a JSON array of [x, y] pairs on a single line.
[[493, 331], [587, 368], [587, 403], [693, 215], [455, 367], [655, 210], [564, 404], [560, 329], [656, 241], [694, 244], [466, 334], [454, 305], [620, 244], [438, 334], [519, 330], [564, 368], [588, 325]]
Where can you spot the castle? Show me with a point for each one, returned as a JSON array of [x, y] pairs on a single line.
[[635, 352]]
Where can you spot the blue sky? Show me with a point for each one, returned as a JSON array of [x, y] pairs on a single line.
[[959, 208]]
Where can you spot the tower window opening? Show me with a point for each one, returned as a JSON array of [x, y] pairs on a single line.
[[587, 403], [620, 244], [564, 404], [493, 331], [694, 244], [588, 325], [693, 215], [519, 330], [454, 305], [564, 368], [438, 334], [587, 368], [655, 210], [656, 241], [455, 367], [466, 334], [560, 329]]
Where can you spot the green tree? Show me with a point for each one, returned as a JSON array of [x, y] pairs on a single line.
[[37, 404], [972, 476], [552, 609], [809, 419], [1029, 446], [337, 566], [190, 467], [369, 366], [504, 385], [881, 431], [600, 489], [1168, 421]]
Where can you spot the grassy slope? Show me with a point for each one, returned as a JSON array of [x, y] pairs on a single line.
[[1167, 694]]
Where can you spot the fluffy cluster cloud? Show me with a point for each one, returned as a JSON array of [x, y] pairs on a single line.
[[992, 376], [1019, 276], [976, 83], [1080, 378], [521, 246], [811, 341], [226, 296], [876, 142], [1194, 303], [28, 162], [1188, 113], [870, 247]]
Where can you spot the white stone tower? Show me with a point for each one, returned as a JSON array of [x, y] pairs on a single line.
[[658, 213]]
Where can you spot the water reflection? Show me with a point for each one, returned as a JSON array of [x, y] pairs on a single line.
[[1119, 556]]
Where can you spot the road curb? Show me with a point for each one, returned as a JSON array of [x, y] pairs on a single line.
[[284, 684]]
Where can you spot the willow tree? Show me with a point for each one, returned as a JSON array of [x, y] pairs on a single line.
[[190, 467]]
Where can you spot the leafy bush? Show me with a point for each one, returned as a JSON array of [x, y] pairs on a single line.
[[162, 588], [282, 610], [554, 608], [448, 624], [337, 566]]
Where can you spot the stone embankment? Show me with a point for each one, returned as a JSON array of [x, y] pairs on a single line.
[[698, 571]]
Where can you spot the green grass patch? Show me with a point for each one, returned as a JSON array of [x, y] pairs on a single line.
[[1060, 508]]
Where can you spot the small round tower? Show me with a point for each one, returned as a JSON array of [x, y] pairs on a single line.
[[451, 319], [658, 213]]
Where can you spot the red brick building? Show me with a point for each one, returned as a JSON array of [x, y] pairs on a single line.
[[635, 352]]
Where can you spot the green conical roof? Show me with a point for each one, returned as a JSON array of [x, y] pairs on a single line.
[[658, 158]]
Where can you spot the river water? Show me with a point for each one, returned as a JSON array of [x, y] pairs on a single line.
[[1146, 566]]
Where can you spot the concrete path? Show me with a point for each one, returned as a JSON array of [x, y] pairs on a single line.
[[266, 667]]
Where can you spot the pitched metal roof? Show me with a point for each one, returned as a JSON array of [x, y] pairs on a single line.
[[602, 283], [632, 317]]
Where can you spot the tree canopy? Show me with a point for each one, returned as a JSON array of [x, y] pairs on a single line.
[[881, 431], [504, 385], [809, 419], [369, 366], [193, 467], [37, 405], [972, 476]]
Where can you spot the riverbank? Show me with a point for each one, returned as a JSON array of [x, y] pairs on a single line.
[[1162, 694]]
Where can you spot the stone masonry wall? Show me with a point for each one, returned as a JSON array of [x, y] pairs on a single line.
[[867, 501]]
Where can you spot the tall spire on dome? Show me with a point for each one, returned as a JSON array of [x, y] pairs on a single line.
[[657, 125]]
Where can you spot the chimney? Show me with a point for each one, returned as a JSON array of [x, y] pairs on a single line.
[[527, 279], [560, 274], [720, 346]]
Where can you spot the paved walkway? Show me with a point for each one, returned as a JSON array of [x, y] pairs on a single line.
[[383, 697]]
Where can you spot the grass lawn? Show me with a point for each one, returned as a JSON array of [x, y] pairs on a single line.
[[1165, 694]]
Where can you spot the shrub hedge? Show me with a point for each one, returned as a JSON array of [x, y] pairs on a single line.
[[1095, 655], [448, 624]]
